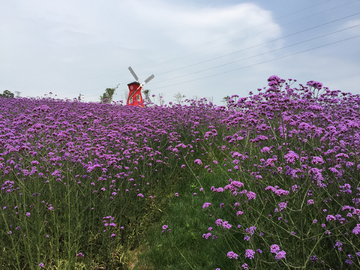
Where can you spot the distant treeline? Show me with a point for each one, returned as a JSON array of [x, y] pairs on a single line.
[[7, 94]]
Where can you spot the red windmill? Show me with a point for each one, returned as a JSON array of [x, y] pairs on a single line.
[[135, 97]]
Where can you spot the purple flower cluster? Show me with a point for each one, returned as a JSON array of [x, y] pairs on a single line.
[[232, 255], [164, 227], [279, 254], [291, 149], [304, 116]]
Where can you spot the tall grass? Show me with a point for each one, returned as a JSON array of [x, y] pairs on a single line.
[[270, 181]]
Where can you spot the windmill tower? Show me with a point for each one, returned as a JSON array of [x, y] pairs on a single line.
[[135, 97]]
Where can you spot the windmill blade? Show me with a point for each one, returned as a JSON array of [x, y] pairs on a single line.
[[133, 73], [150, 78]]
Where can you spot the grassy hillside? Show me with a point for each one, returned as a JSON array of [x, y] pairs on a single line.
[[270, 181]]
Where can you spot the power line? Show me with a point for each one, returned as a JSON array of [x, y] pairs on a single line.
[[258, 45], [263, 62], [208, 48], [247, 58], [184, 67], [280, 17], [208, 60], [267, 61]]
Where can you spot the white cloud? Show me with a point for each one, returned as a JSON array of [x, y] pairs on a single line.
[[67, 46], [189, 26]]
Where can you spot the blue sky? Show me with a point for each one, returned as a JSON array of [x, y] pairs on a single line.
[[201, 48]]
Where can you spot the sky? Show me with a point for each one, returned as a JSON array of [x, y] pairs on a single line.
[[203, 48]]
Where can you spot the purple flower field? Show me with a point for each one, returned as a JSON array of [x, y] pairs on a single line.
[[268, 181]]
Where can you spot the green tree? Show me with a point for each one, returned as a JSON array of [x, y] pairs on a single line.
[[104, 98], [7, 94], [108, 95]]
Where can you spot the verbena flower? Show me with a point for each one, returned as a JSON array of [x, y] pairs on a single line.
[[252, 229], [232, 255], [226, 225], [313, 259], [251, 195], [206, 205], [356, 230], [249, 253], [338, 245], [197, 161], [218, 222], [280, 255], [206, 235], [274, 248], [310, 202]]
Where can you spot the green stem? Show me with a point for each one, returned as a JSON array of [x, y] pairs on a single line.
[[181, 253]]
